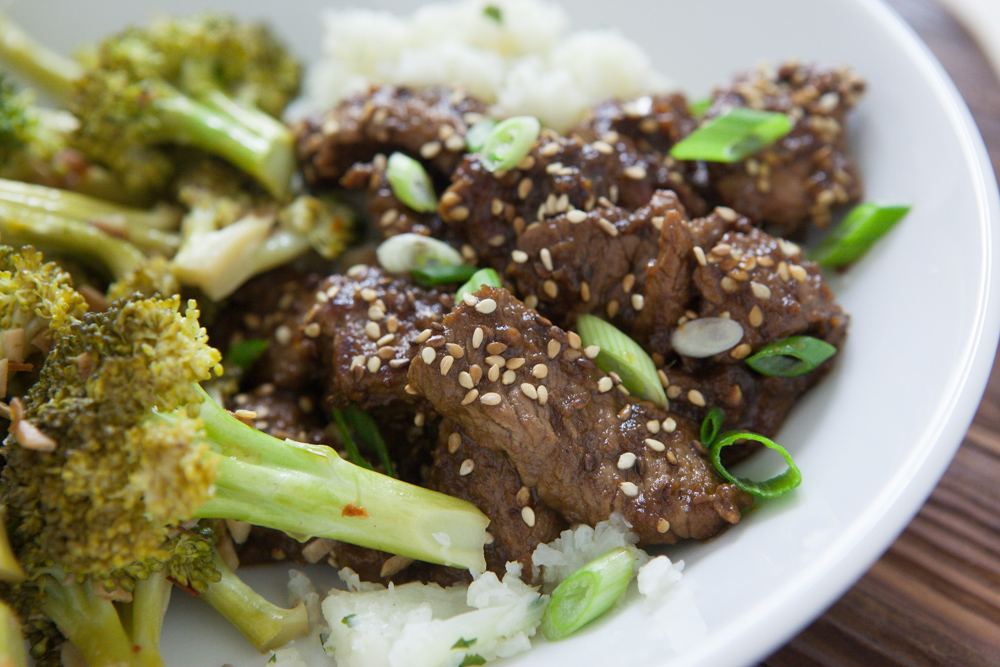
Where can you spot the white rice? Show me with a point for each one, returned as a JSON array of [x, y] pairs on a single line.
[[525, 63]]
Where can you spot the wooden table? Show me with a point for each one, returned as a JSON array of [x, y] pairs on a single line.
[[934, 597]]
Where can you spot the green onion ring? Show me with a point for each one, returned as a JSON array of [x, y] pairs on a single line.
[[857, 232], [770, 488], [622, 355], [791, 356], [476, 135], [410, 183], [509, 142], [587, 593], [711, 426], [488, 277], [734, 135]]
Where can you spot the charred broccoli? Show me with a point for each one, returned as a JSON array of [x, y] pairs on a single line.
[[207, 81]]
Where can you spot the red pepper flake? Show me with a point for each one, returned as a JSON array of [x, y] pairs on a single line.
[[354, 510]]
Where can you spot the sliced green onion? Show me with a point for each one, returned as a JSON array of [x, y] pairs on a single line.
[[410, 183], [622, 355], [770, 488], [732, 136], [699, 107], [366, 430], [408, 252], [587, 593], [493, 12], [711, 426], [857, 232], [244, 353], [509, 142], [792, 356], [353, 454], [475, 138], [429, 276], [487, 277]]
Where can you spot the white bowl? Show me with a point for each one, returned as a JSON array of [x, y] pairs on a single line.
[[873, 439]]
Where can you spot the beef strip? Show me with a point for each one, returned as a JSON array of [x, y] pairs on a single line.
[[427, 123], [807, 174], [524, 387], [559, 174], [519, 520]]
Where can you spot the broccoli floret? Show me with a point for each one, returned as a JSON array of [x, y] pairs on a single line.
[[122, 447], [198, 82]]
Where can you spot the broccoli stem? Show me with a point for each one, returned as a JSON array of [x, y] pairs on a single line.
[[250, 140], [89, 622], [12, 651], [267, 626], [143, 617], [22, 225], [309, 491], [54, 73], [147, 229]]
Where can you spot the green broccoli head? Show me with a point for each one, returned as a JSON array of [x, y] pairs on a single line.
[[117, 479]]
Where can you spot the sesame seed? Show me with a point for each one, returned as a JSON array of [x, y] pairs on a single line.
[[496, 240], [491, 398], [465, 380], [628, 282], [524, 188], [430, 149], [576, 216], [760, 290], [312, 330], [373, 330], [605, 384], [657, 222], [477, 337], [422, 336], [603, 147], [546, 258], [655, 444], [788, 248], [508, 377], [626, 461], [375, 313], [663, 378], [662, 526], [494, 373], [496, 359], [591, 351], [574, 340], [531, 301], [357, 361], [393, 363], [447, 361], [472, 395], [543, 394], [529, 390], [455, 350], [636, 172], [728, 284], [486, 306], [428, 354], [476, 373], [515, 363], [699, 255], [408, 388], [419, 419], [523, 496], [322, 296], [553, 348], [798, 272], [638, 301], [357, 270], [470, 299], [454, 442], [741, 351], [496, 347], [528, 516], [756, 317], [283, 334], [459, 213], [550, 149], [629, 489], [674, 390], [550, 288], [608, 227], [585, 291], [468, 465], [653, 426], [374, 363], [669, 425], [368, 294], [612, 308], [540, 371], [696, 398], [519, 256], [671, 458]]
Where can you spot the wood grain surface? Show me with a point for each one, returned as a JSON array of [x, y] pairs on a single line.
[[934, 598]]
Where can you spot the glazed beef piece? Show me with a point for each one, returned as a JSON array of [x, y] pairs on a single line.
[[808, 173], [367, 326], [651, 125], [519, 520], [560, 174], [427, 123], [388, 215], [524, 387]]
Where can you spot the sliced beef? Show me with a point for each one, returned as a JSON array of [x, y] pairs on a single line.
[[368, 325], [387, 213], [808, 173], [519, 520], [524, 387], [427, 123], [559, 174]]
